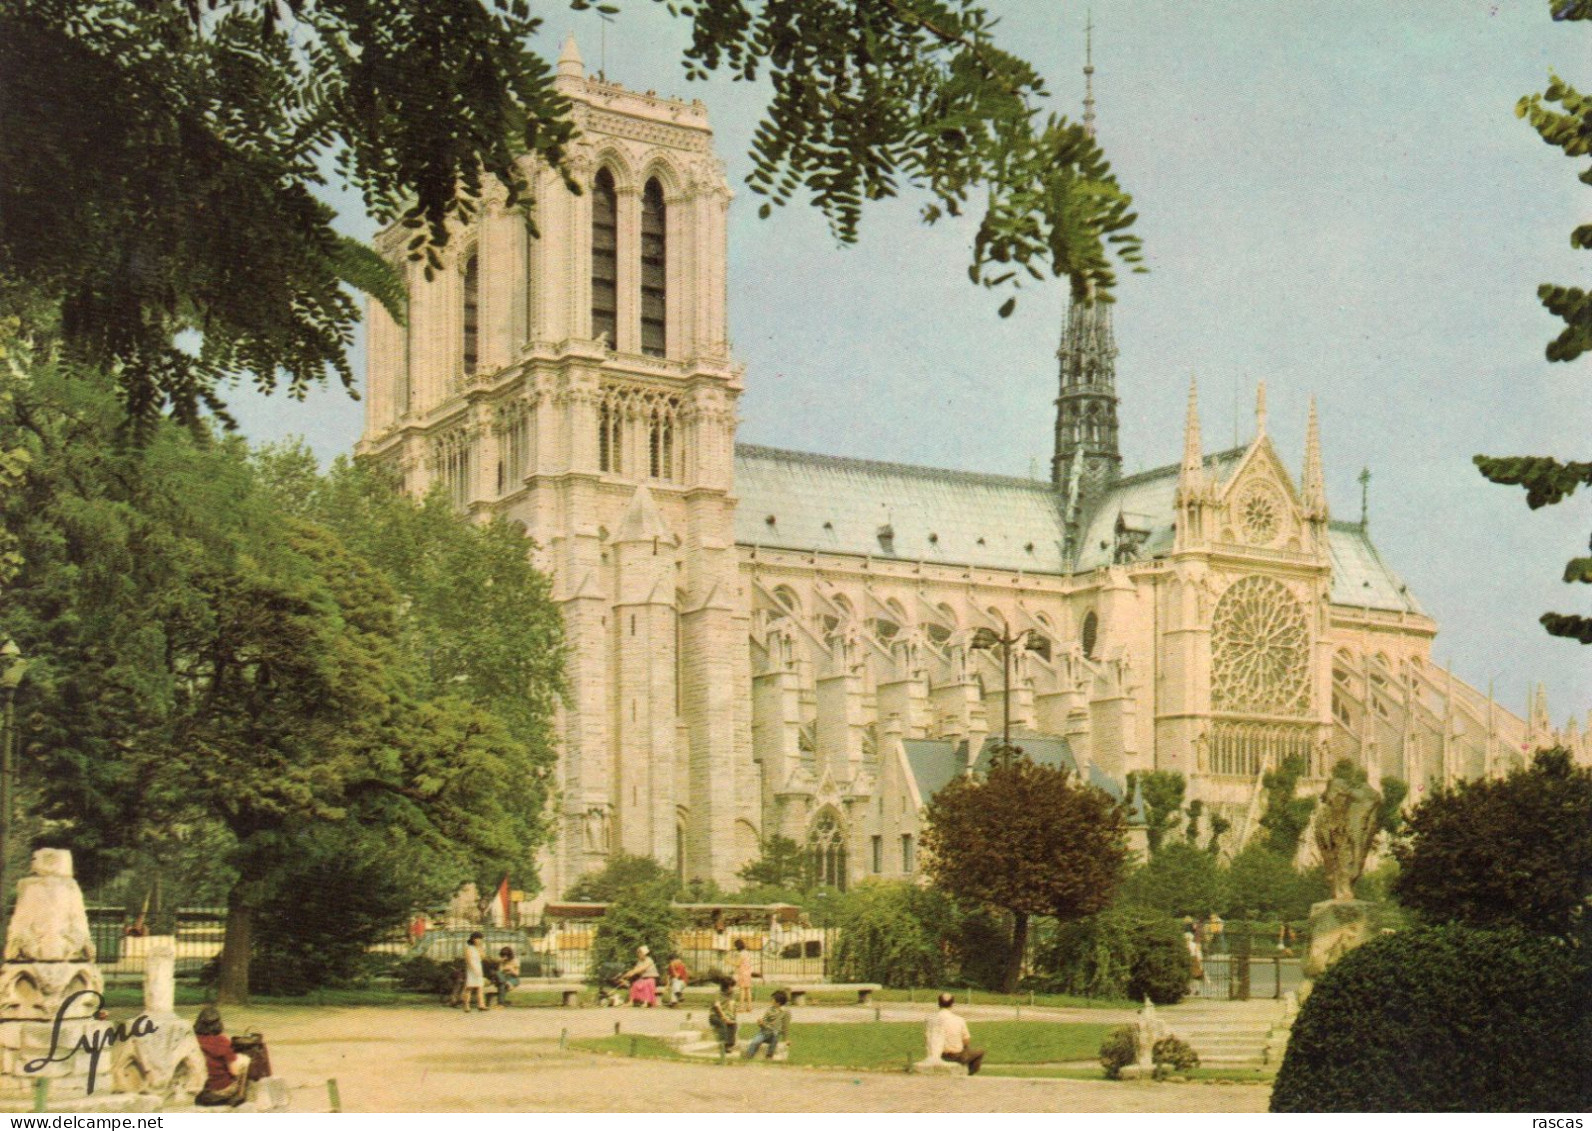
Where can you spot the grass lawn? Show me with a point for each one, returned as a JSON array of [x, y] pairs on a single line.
[[131, 996], [763, 991], [892, 1044]]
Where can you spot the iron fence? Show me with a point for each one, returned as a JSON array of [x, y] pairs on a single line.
[[121, 944], [1249, 960]]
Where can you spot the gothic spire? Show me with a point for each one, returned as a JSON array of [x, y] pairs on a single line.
[[1313, 482], [1193, 472], [1086, 409], [1088, 77]]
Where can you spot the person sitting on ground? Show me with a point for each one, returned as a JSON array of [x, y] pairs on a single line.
[[507, 975], [678, 977], [948, 1039], [226, 1070], [772, 1028], [643, 979]]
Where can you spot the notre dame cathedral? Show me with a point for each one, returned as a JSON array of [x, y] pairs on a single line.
[[774, 642]]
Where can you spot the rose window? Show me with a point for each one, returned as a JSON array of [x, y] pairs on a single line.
[[1260, 650], [1260, 515]]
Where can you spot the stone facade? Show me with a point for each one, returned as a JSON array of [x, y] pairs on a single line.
[[775, 642]]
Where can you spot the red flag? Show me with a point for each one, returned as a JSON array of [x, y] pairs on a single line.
[[503, 897]]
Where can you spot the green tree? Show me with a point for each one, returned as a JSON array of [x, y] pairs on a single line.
[[1263, 882], [186, 164], [1028, 839], [637, 917], [781, 864], [894, 933], [622, 875], [1547, 480], [1180, 880], [1515, 851], [1285, 816], [1162, 791], [204, 660]]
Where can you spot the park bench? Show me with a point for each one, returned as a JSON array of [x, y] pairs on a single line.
[[865, 990]]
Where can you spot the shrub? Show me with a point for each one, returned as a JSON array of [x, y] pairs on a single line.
[[890, 933], [640, 916], [1444, 1019], [1118, 1050], [423, 975], [1124, 952], [1504, 852], [1178, 880], [340, 895], [1173, 1055]]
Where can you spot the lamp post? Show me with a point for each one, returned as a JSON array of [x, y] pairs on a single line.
[[1005, 640], [12, 668]]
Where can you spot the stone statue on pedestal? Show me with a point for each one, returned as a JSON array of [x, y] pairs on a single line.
[[1345, 827]]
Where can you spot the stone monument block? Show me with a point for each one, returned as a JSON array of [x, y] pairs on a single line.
[[1337, 926]]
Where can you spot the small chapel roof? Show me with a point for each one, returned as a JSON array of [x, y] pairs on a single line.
[[934, 762], [1360, 577]]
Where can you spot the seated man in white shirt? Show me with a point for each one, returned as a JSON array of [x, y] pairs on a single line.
[[948, 1038]]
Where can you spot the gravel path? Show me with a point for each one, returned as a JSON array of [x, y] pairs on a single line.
[[432, 1059]]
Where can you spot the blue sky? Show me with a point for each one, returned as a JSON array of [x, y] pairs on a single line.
[[1335, 199]]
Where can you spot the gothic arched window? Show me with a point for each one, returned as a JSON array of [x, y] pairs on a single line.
[[654, 265], [1091, 633], [604, 258], [826, 851], [472, 312], [1260, 650]]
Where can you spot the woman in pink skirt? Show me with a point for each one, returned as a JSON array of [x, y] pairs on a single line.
[[743, 976], [643, 978]]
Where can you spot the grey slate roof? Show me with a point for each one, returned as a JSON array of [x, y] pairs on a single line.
[[839, 505], [1046, 749], [833, 504], [934, 763], [1359, 576], [1145, 500]]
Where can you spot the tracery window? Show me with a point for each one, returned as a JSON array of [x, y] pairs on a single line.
[[472, 313], [660, 442], [513, 428], [452, 457], [826, 851], [528, 267], [1260, 650], [1091, 633], [609, 438], [654, 263], [604, 258]]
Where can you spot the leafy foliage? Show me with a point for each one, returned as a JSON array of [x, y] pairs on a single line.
[[1444, 1019], [782, 865], [1027, 839], [1172, 1055], [202, 660], [1515, 851], [892, 932], [187, 161], [1562, 117], [1262, 882], [622, 875], [1177, 881], [638, 916], [1285, 816], [1120, 953], [336, 896], [1118, 1050], [1162, 791]]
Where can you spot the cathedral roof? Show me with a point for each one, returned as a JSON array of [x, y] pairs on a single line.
[[839, 505], [1359, 576], [799, 501], [1145, 501]]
